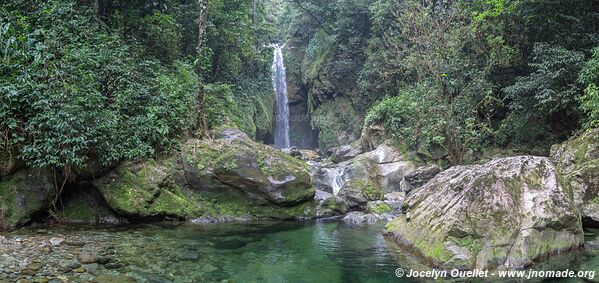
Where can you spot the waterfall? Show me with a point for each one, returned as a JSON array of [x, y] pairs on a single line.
[[279, 82]]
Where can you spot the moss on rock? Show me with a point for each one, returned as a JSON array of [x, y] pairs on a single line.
[[506, 213], [238, 162], [23, 194], [146, 190], [577, 161]]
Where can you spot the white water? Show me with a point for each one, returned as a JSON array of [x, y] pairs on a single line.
[[279, 82]]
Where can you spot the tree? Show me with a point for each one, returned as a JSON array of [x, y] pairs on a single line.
[[201, 22]]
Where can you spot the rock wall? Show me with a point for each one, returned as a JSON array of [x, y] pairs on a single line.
[[301, 133]]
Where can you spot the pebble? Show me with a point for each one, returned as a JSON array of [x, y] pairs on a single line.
[[92, 268], [87, 258], [56, 241], [80, 270], [46, 250]]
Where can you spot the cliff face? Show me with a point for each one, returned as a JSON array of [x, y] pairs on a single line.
[[301, 132]]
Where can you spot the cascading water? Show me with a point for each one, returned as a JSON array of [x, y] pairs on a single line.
[[279, 82]]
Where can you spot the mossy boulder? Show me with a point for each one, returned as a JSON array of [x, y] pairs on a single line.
[[148, 189], [23, 194], [506, 213], [328, 204], [577, 161], [259, 170], [229, 177]]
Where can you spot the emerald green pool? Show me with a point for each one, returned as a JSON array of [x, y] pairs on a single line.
[[323, 251], [330, 251]]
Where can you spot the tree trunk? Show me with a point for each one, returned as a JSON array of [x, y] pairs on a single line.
[[202, 23]]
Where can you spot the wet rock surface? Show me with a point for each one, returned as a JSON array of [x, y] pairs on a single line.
[[367, 177]]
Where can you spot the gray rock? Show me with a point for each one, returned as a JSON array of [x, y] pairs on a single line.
[[577, 161], [86, 258], [56, 241], [344, 152], [419, 177], [506, 213], [249, 167], [113, 279], [358, 217], [328, 204], [395, 196], [92, 268], [25, 193], [372, 136]]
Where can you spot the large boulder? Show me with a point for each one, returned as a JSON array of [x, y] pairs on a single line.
[[148, 189], [23, 194], [503, 214], [577, 161], [254, 168], [230, 177]]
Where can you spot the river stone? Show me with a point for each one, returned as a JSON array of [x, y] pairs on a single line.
[[577, 161], [56, 241], [419, 177], [86, 258], [344, 152], [23, 194], [503, 214], [248, 166], [372, 136]]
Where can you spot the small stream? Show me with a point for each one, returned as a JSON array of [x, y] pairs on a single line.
[[323, 251]]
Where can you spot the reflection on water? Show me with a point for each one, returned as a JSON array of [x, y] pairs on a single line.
[[329, 251]]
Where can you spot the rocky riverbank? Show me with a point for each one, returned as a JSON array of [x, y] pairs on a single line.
[[45, 256], [508, 212]]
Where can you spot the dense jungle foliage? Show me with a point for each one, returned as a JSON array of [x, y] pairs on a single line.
[[461, 74], [113, 80]]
